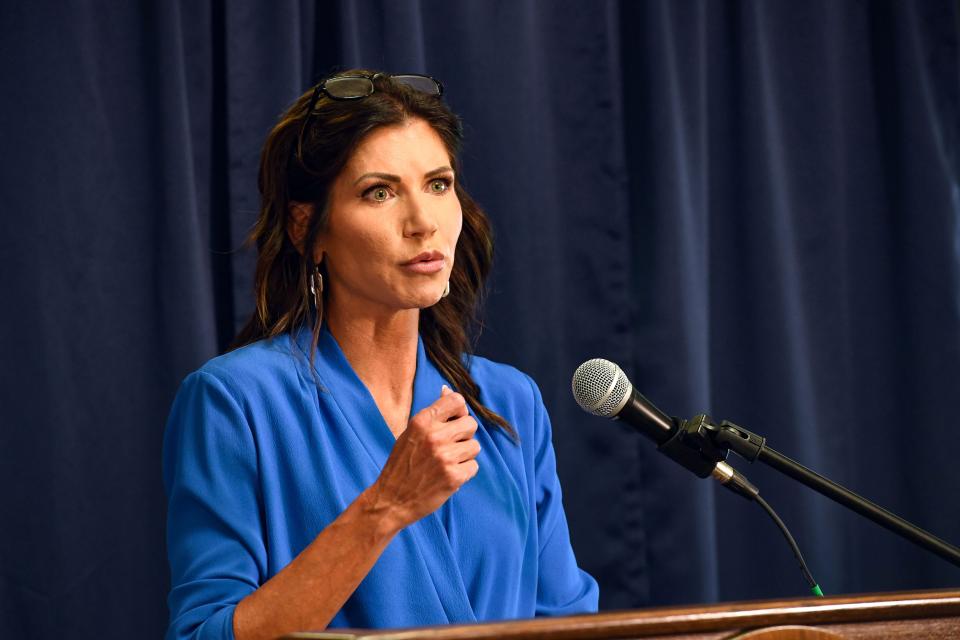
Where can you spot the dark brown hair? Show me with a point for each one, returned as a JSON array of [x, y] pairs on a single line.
[[334, 130]]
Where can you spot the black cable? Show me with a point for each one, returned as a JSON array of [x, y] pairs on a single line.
[[814, 587]]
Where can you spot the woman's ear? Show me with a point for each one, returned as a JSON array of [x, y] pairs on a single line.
[[299, 221]]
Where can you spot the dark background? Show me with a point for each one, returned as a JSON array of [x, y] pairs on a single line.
[[753, 207]]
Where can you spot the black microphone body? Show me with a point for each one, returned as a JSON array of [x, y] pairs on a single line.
[[674, 437], [645, 417]]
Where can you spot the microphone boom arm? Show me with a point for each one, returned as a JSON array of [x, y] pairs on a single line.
[[701, 431]]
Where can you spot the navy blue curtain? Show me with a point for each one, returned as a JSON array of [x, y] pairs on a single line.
[[753, 207]]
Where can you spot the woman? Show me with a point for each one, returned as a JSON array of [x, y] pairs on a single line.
[[350, 464]]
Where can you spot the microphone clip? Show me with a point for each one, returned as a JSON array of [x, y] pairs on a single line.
[[691, 445], [745, 444], [699, 443], [702, 446]]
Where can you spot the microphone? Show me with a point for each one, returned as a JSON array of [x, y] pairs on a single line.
[[602, 388]]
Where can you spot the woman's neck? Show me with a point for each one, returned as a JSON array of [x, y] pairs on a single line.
[[381, 349]]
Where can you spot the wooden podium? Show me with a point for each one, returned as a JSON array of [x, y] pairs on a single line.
[[930, 615]]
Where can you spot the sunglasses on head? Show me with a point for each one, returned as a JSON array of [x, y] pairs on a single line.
[[355, 87]]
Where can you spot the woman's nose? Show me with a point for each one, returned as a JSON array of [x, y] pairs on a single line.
[[420, 220]]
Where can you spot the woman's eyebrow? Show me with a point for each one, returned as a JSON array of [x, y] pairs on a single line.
[[389, 177], [438, 171]]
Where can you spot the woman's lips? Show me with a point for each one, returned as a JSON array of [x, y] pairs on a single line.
[[425, 266]]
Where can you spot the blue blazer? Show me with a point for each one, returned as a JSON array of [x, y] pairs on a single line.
[[261, 454]]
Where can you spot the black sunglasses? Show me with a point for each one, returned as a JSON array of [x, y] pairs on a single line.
[[355, 87]]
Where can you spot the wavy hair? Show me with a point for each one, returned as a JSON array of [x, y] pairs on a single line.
[[288, 176]]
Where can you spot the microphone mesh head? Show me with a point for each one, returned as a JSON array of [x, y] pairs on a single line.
[[600, 387]]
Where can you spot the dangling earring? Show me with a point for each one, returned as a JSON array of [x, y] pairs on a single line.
[[316, 287], [446, 290]]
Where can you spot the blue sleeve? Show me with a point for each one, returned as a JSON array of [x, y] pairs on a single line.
[[562, 587], [214, 541]]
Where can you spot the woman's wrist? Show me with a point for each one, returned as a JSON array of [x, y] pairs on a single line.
[[384, 516]]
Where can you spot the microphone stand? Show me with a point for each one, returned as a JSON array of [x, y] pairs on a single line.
[[711, 439]]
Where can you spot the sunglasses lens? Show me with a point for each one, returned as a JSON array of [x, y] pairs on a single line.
[[420, 83], [348, 87]]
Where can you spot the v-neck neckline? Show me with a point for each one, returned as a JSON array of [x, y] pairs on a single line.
[[330, 363]]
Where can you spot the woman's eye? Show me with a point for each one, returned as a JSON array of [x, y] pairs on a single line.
[[440, 185], [377, 194]]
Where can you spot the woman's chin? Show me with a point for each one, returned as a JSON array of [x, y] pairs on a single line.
[[431, 302], [424, 299]]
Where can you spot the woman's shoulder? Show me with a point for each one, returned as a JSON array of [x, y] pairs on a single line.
[[505, 388], [259, 365], [496, 372]]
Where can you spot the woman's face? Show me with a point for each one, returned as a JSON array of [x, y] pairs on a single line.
[[393, 222]]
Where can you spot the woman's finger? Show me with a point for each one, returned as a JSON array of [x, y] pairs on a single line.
[[462, 428], [463, 451], [447, 406]]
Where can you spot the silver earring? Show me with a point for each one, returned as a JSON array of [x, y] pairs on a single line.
[[316, 286], [446, 290]]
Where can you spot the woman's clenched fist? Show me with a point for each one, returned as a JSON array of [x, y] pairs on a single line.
[[431, 459]]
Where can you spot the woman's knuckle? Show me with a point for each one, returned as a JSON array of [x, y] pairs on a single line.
[[451, 479]]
